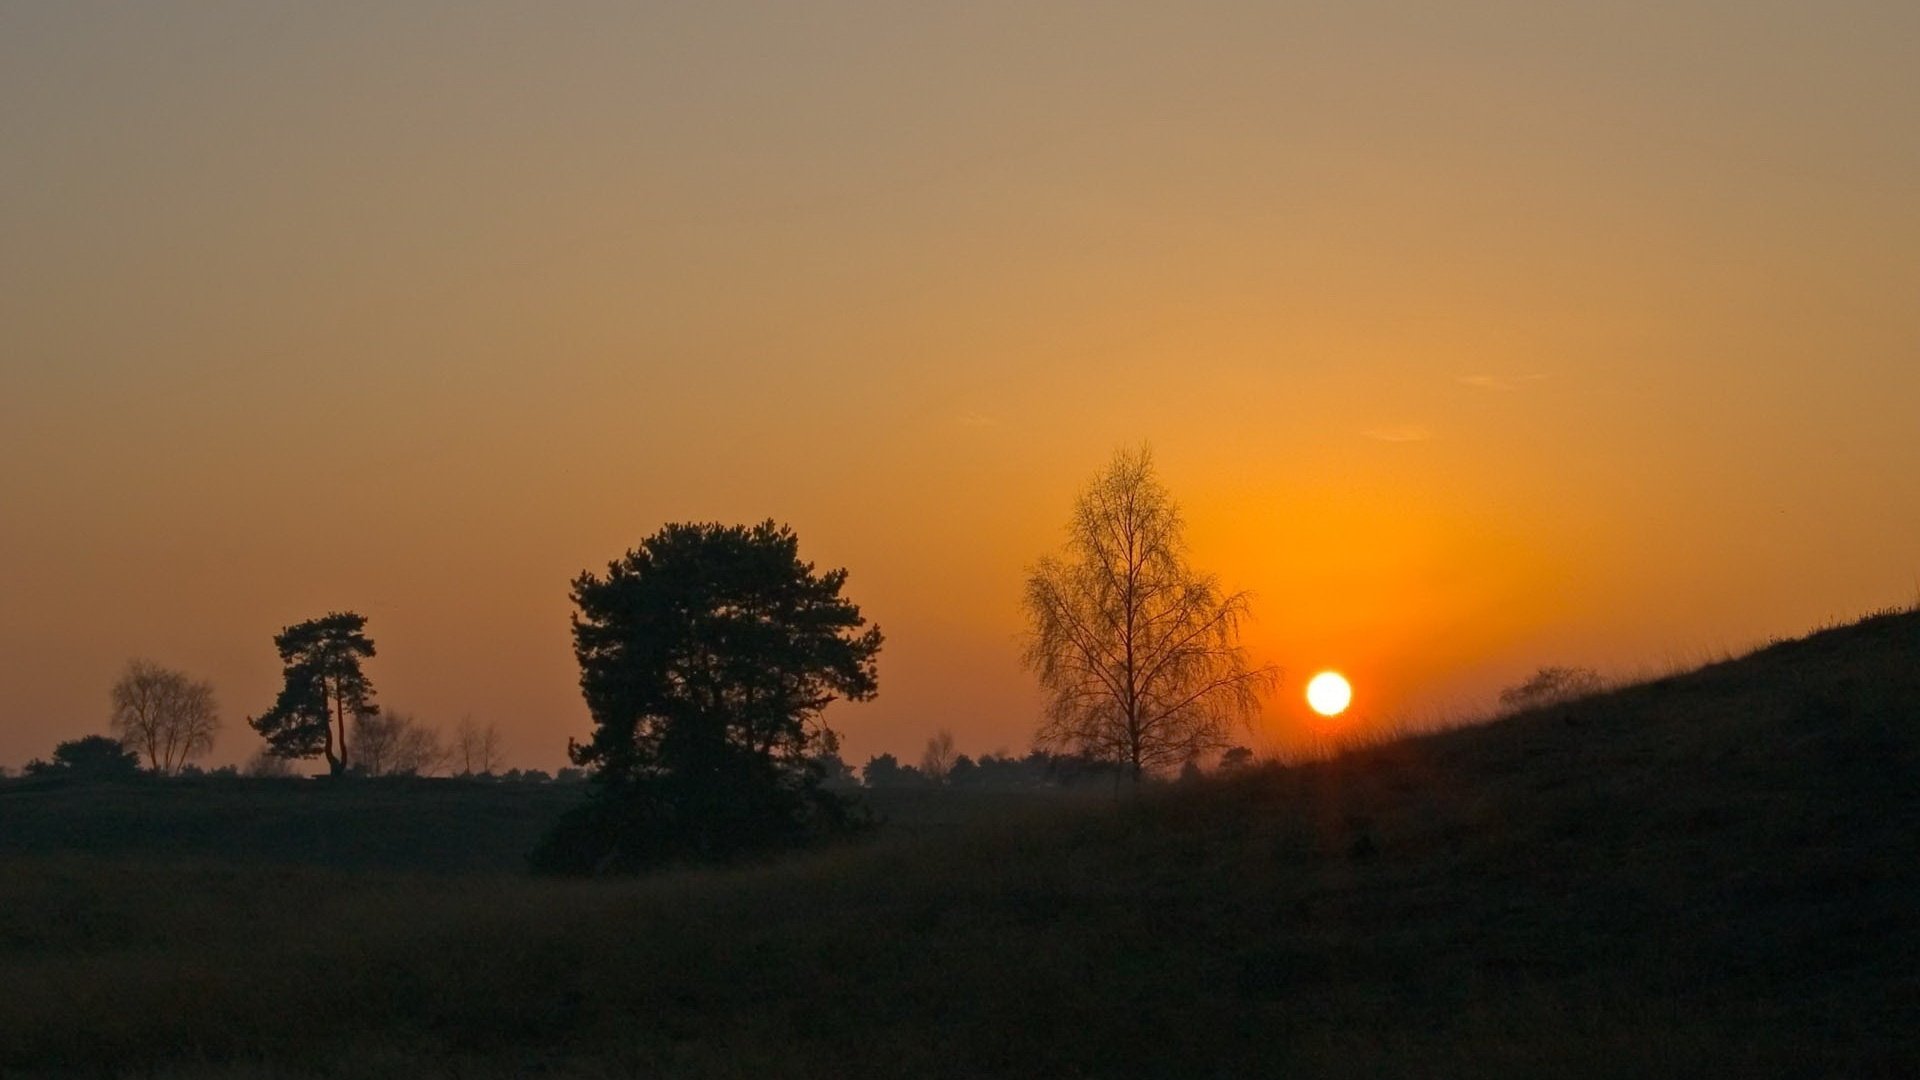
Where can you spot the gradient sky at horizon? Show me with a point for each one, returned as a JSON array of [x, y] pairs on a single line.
[[1470, 336]]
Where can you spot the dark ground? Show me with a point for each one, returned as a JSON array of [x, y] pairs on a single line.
[[1715, 874]]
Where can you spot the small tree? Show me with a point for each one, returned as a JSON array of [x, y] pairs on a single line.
[[937, 760], [1550, 686], [325, 689], [95, 757], [163, 714], [706, 656], [477, 747], [1139, 654], [392, 743]]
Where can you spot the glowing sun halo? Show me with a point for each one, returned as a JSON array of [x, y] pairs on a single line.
[[1329, 693]]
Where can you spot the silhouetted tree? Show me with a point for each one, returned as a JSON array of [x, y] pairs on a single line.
[[1551, 685], [963, 772], [1236, 757], [95, 757], [163, 714], [477, 747], [706, 656], [938, 757], [325, 689], [1138, 653], [885, 770], [392, 743], [881, 770]]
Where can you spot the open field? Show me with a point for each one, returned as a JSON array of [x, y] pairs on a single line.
[[438, 826], [421, 825], [1712, 874]]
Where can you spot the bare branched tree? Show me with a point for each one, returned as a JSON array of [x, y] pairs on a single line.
[[477, 747], [937, 761], [1139, 654], [392, 743], [163, 715]]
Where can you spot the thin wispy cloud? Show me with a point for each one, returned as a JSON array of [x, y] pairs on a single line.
[[1400, 433], [977, 420], [1499, 382]]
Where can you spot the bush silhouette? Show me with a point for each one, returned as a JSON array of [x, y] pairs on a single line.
[[95, 757]]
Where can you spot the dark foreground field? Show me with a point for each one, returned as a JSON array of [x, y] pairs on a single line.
[[1716, 874]]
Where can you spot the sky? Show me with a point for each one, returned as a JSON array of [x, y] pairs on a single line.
[[1470, 337]]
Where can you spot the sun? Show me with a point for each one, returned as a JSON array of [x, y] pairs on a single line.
[[1329, 693]]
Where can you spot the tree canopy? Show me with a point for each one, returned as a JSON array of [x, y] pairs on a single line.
[[163, 714], [393, 743], [1139, 654], [706, 657], [325, 689]]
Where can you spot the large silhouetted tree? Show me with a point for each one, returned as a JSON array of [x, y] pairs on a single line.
[[706, 656], [163, 714], [1138, 653], [325, 689]]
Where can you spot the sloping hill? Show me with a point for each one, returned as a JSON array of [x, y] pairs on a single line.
[[1712, 874]]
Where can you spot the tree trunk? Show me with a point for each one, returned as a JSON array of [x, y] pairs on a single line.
[[340, 713], [337, 762]]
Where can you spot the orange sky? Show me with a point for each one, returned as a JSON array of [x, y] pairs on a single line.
[[1472, 337]]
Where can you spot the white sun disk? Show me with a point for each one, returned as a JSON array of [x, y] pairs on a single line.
[[1329, 693]]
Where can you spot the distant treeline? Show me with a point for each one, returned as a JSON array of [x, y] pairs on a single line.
[[100, 758], [1039, 768]]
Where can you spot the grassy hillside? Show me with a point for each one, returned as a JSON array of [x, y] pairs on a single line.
[[1711, 874]]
